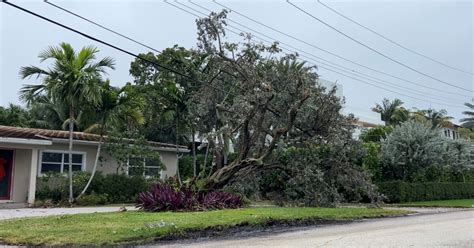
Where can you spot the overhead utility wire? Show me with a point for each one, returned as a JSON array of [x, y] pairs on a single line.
[[318, 63], [102, 26], [391, 40], [336, 55], [349, 70], [103, 42], [376, 51], [365, 82]]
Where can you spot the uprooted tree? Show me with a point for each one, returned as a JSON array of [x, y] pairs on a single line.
[[246, 96], [252, 96]]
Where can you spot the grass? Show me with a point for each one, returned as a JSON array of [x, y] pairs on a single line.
[[136, 227], [462, 203]]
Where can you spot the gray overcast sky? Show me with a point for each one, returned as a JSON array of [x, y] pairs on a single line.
[[439, 29]]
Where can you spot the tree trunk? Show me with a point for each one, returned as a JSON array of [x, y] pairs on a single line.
[[222, 177], [194, 156], [96, 161], [71, 133], [204, 166], [177, 148]]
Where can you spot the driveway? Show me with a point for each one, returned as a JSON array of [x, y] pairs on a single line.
[[40, 212], [431, 229]]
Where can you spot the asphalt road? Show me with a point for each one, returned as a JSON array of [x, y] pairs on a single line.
[[445, 229]]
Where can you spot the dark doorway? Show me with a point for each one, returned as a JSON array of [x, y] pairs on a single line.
[[6, 170]]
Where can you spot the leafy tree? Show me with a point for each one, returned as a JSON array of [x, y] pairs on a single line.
[[14, 115], [435, 118], [391, 112], [460, 157], [468, 121], [411, 148], [73, 80]]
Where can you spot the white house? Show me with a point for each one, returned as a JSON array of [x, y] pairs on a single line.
[[27, 153], [451, 132]]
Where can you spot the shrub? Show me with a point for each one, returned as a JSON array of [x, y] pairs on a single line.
[[376, 134], [410, 149], [92, 199], [166, 197], [399, 191], [115, 188]]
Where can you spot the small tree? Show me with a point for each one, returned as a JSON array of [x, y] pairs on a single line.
[[411, 148], [391, 112]]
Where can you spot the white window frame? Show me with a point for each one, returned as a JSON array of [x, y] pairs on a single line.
[[144, 167], [63, 165]]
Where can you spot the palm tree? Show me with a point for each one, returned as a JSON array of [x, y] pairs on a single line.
[[119, 106], [391, 112], [468, 122], [73, 80], [433, 117]]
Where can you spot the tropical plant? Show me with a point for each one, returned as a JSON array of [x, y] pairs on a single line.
[[73, 80], [468, 121], [118, 108], [391, 112], [14, 115], [434, 117]]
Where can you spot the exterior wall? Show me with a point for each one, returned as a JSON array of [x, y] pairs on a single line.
[[169, 160], [21, 175], [23, 161], [450, 133]]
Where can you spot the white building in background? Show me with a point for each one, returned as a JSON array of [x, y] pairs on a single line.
[[451, 132]]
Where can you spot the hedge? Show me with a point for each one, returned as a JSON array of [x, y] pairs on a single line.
[[398, 191]]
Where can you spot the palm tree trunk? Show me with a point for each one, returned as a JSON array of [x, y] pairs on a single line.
[[194, 156], [71, 132], [94, 169]]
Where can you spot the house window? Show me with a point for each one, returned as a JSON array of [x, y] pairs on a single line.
[[144, 167], [58, 162]]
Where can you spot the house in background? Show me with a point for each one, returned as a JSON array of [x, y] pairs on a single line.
[[451, 132], [27, 153]]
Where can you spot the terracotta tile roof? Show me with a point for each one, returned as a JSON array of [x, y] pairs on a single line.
[[46, 134]]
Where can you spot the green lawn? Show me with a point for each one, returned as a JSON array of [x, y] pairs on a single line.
[[134, 226], [462, 203]]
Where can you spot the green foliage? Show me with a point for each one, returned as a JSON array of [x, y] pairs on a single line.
[[113, 188], [14, 115], [92, 200], [371, 160], [410, 149], [376, 134], [186, 166], [468, 121], [130, 149], [399, 191], [391, 112]]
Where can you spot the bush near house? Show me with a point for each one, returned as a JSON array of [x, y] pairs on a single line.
[[399, 191], [112, 188]]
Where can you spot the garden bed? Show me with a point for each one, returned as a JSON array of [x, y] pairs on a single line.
[[144, 227]]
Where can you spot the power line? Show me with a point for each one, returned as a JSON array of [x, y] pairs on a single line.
[[102, 26], [347, 70], [391, 40], [333, 54], [362, 81], [376, 51]]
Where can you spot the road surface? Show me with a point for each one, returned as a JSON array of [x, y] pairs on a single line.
[[445, 229]]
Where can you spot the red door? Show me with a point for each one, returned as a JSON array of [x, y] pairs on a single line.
[[6, 169]]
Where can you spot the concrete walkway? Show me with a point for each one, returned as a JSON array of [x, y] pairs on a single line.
[[40, 212]]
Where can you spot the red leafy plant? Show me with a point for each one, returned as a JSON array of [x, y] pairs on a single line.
[[165, 197]]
